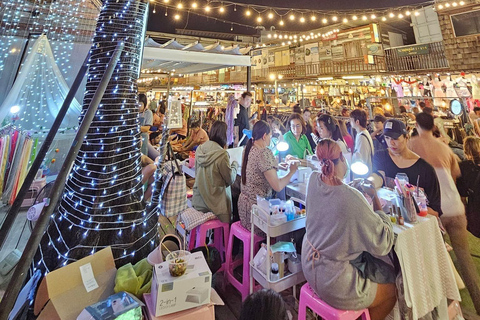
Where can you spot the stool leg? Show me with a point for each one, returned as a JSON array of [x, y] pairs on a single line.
[[193, 236], [246, 271], [366, 315], [302, 308], [226, 239]]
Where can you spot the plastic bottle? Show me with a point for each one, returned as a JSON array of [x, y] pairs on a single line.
[[274, 276]]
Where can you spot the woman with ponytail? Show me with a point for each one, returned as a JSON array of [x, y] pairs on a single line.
[[259, 172], [342, 232]]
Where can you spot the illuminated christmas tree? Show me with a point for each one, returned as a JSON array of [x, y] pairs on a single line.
[[102, 203]]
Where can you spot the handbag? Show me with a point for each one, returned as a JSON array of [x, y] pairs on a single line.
[[173, 195], [373, 268]]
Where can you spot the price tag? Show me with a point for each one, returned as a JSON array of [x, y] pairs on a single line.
[[88, 278]]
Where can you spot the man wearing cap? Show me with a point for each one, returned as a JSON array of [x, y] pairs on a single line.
[[398, 158]]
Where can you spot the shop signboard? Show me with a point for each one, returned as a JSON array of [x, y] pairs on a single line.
[[420, 49], [300, 55], [324, 53], [311, 53]]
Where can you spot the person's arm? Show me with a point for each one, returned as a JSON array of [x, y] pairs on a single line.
[[227, 171], [432, 190], [455, 168], [309, 147], [378, 175], [374, 229], [276, 183]]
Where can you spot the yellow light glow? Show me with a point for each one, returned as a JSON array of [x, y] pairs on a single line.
[[177, 17], [417, 13], [462, 3], [373, 17], [180, 6], [222, 9], [400, 16], [354, 18], [259, 19], [248, 13], [270, 15], [324, 20], [454, 4], [272, 76], [269, 36], [345, 20], [302, 19], [364, 18], [388, 106], [207, 8], [194, 5], [391, 15], [440, 7], [334, 18], [313, 18], [281, 22], [384, 19], [292, 17], [408, 13]]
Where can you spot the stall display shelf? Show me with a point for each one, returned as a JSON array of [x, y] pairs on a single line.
[[260, 220]]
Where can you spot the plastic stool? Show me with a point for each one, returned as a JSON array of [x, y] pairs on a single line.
[[199, 234], [239, 232], [309, 299]]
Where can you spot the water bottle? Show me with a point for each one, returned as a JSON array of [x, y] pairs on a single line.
[[274, 276]]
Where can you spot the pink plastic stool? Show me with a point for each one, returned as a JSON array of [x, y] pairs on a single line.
[[239, 232], [199, 235], [308, 298]]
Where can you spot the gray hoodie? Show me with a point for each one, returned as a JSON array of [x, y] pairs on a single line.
[[213, 177]]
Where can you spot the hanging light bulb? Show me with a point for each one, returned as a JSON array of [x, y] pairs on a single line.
[[259, 19], [407, 13], [354, 18], [248, 13], [324, 21], [235, 8], [400, 16], [180, 6], [177, 17], [364, 18], [166, 12], [270, 15], [154, 11], [222, 9], [334, 18], [207, 8], [454, 4], [373, 17], [384, 19], [302, 19], [194, 5], [231, 28], [292, 17], [462, 3], [281, 22], [313, 18], [417, 13], [166, 1], [345, 20]]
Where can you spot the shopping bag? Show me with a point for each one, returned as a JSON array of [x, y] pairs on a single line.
[[173, 195]]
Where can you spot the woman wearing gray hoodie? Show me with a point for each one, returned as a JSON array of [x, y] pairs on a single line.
[[214, 174]]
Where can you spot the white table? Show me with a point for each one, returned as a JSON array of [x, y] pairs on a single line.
[[428, 277]]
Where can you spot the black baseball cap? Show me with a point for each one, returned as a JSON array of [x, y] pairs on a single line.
[[394, 128]]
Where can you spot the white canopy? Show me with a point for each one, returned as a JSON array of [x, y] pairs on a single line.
[[192, 58]]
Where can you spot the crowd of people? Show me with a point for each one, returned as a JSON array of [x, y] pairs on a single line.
[[341, 225]]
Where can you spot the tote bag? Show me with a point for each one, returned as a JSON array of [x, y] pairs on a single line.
[[173, 196]]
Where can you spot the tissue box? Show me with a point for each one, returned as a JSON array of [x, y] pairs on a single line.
[[118, 306], [173, 294], [205, 312]]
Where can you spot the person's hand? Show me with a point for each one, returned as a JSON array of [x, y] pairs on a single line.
[[289, 158], [277, 130], [235, 164], [293, 166]]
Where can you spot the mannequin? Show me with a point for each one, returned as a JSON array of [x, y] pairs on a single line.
[[451, 93], [475, 82], [438, 92]]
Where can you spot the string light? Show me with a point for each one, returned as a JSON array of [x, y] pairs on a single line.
[[391, 15], [194, 5], [177, 17], [324, 21], [281, 22], [292, 17], [313, 18], [222, 9], [373, 17], [364, 18], [180, 6], [334, 18], [408, 13], [248, 12], [384, 19], [92, 213], [354, 18], [270, 15], [400, 16], [302, 19], [345, 20], [259, 19]]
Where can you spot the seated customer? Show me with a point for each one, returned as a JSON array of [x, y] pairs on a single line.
[[398, 158], [214, 174], [180, 133], [264, 305], [259, 172], [341, 227], [197, 137], [296, 138]]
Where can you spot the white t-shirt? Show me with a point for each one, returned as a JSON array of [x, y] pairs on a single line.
[[363, 148]]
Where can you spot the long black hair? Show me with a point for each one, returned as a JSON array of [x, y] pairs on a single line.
[[332, 125], [218, 133], [259, 130]]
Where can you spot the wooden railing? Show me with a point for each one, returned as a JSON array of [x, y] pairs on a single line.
[[430, 56]]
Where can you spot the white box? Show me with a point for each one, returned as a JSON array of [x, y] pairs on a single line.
[[174, 294]]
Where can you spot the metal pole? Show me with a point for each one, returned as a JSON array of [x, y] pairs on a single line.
[[31, 248], [168, 88], [249, 78], [12, 213]]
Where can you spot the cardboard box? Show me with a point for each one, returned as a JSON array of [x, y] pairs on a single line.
[[205, 312], [174, 294], [63, 294]]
